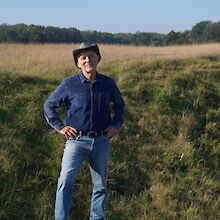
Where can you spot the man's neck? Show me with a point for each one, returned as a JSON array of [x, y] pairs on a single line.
[[90, 76]]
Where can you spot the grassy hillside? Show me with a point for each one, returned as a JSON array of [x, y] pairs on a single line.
[[164, 164]]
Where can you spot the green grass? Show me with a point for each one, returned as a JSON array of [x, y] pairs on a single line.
[[163, 165]]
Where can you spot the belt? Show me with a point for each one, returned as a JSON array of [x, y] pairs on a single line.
[[92, 134]]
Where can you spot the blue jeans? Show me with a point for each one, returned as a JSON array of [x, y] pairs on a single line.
[[96, 150]]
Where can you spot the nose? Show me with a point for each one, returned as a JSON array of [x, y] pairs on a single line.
[[88, 59]]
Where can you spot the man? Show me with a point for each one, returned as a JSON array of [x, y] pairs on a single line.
[[88, 127]]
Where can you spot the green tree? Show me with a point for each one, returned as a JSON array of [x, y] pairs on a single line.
[[21, 33], [171, 38], [212, 32], [197, 32], [36, 34]]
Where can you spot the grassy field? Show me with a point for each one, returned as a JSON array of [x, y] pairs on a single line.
[[165, 163]]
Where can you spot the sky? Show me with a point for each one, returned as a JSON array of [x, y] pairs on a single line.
[[114, 16]]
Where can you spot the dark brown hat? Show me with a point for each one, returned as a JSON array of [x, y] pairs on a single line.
[[85, 47]]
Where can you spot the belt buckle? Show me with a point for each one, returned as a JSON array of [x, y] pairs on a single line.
[[92, 134]]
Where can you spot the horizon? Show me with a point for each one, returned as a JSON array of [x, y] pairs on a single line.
[[105, 31], [112, 17]]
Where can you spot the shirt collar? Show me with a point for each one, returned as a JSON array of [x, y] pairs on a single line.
[[83, 78]]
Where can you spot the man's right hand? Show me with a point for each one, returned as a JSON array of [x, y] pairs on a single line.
[[68, 132]]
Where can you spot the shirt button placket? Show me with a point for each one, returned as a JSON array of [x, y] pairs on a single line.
[[91, 115]]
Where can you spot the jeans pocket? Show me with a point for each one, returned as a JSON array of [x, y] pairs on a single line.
[[73, 138]]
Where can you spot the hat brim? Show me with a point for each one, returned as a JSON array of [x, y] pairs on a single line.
[[77, 52]]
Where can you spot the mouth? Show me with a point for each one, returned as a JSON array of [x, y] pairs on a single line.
[[89, 65]]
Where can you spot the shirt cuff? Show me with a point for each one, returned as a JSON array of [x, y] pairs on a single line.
[[58, 127]]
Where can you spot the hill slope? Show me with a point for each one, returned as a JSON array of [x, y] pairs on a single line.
[[163, 165]]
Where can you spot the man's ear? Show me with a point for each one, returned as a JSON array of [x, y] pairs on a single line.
[[78, 65]]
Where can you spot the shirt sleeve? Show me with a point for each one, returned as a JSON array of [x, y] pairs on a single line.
[[52, 103], [118, 107]]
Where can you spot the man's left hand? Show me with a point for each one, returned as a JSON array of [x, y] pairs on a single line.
[[111, 132]]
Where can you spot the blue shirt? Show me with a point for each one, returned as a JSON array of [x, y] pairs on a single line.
[[87, 104]]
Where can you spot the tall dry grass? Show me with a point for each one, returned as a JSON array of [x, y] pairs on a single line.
[[44, 59]]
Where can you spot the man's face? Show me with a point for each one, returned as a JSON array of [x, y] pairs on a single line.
[[88, 61]]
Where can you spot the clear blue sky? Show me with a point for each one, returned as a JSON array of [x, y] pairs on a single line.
[[113, 16]]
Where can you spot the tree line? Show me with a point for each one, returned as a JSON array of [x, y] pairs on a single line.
[[202, 32]]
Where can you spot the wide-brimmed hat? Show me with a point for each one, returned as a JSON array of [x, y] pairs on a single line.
[[85, 47]]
